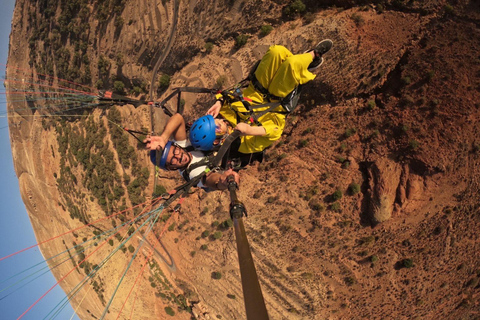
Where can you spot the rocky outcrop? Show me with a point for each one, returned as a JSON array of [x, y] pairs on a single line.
[[392, 188], [383, 179]]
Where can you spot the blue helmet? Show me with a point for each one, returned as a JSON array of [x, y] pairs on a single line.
[[202, 133], [163, 159]]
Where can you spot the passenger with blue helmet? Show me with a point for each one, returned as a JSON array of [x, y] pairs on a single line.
[[177, 154]]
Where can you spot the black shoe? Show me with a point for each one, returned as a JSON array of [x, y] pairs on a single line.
[[317, 62], [323, 47], [320, 49]]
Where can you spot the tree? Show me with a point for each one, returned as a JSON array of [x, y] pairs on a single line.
[[164, 81], [119, 86]]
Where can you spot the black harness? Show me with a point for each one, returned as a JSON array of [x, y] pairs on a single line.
[[212, 161]]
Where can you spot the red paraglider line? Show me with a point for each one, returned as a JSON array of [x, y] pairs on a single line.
[[63, 278], [73, 230], [49, 76], [135, 283]]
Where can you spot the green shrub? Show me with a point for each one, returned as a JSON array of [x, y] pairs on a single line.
[[303, 143], [118, 22], [265, 30], [407, 263], [203, 247], [169, 311], [337, 195], [371, 105], [208, 47], [164, 81], [231, 296], [295, 8], [473, 282], [227, 223], [335, 207], [367, 240], [118, 86], [99, 84], [316, 206], [205, 233], [217, 235], [406, 80], [345, 164], [159, 190], [357, 19], [448, 9], [216, 275], [413, 144], [350, 132], [354, 188], [241, 40], [350, 281], [380, 8], [131, 248]]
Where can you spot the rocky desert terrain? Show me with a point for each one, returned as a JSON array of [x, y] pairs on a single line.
[[368, 207]]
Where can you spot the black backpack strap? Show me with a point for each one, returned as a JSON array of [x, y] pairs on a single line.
[[204, 162], [222, 152]]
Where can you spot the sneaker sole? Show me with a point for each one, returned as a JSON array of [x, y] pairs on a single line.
[[324, 46], [316, 67]]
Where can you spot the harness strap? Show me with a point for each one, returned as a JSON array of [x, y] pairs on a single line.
[[204, 162], [217, 160], [258, 86], [183, 189], [178, 91]]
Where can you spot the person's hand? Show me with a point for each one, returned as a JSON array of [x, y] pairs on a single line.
[[244, 128], [215, 109], [223, 183], [155, 143]]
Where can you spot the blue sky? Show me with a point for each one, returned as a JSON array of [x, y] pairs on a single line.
[[17, 232]]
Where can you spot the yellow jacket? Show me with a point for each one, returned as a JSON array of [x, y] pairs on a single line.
[[280, 72]]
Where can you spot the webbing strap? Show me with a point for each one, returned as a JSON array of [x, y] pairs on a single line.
[[184, 188], [224, 148], [178, 91]]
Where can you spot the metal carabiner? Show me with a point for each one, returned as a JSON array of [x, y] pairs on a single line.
[[166, 196]]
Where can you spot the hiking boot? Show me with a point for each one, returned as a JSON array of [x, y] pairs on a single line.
[[320, 49]]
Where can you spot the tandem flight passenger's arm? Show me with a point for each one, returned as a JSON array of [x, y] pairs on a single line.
[[175, 127], [215, 109], [248, 130]]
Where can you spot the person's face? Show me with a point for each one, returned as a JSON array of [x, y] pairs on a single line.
[[178, 158], [220, 127]]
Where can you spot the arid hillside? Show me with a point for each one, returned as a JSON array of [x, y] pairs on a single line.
[[368, 207]]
